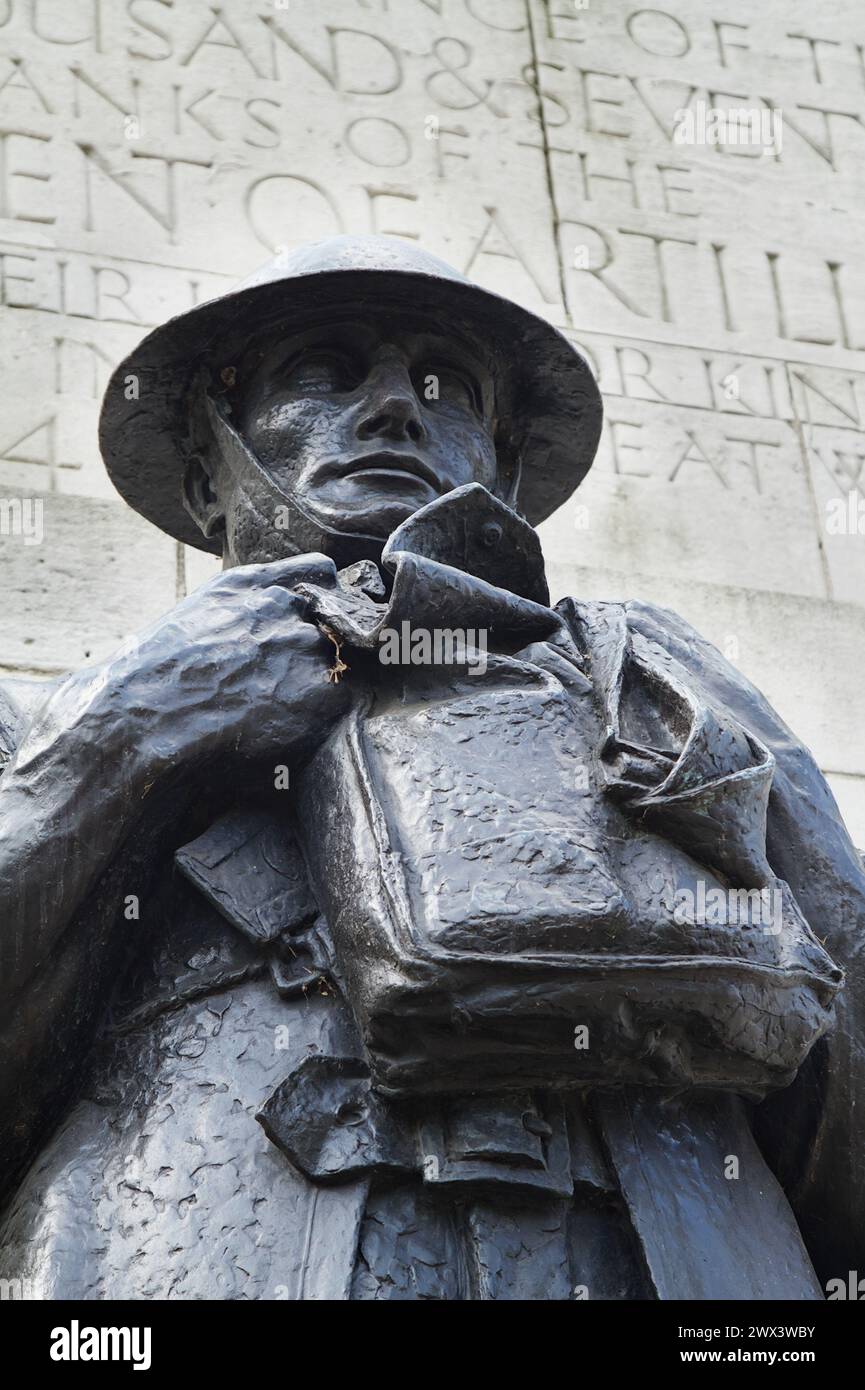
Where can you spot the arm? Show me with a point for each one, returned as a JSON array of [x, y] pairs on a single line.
[[814, 1132], [232, 677]]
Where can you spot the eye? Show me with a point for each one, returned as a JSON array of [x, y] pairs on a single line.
[[441, 383], [322, 370]]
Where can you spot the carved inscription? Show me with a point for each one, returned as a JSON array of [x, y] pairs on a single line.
[[152, 152]]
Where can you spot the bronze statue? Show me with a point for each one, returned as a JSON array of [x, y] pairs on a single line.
[[373, 929]]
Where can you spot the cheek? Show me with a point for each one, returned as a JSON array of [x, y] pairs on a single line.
[[284, 433], [467, 445]]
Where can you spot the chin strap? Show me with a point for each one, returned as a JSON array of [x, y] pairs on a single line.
[[343, 547], [516, 482]]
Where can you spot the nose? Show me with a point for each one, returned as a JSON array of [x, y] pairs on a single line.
[[391, 410]]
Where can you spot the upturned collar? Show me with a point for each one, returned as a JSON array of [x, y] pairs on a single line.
[[465, 560]]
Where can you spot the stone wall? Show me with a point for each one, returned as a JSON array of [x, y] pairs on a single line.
[[152, 152]]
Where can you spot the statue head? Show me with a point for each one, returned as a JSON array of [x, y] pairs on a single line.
[[335, 393], [333, 432]]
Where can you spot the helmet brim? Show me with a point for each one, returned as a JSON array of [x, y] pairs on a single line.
[[144, 429]]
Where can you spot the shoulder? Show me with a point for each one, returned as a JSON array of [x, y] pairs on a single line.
[[19, 701], [800, 791], [670, 639]]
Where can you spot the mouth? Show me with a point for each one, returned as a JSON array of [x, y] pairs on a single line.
[[392, 465]]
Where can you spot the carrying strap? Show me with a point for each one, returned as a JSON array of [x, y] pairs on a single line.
[[712, 1220]]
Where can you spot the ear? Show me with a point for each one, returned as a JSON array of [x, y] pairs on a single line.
[[200, 496]]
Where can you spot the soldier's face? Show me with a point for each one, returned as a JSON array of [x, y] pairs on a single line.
[[360, 423]]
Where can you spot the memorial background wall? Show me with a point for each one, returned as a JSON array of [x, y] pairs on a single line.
[[153, 152]]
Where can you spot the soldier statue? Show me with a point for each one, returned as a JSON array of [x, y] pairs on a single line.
[[374, 929]]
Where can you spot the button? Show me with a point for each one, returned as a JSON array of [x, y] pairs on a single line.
[[491, 534]]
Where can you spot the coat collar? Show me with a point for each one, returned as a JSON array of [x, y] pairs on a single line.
[[464, 561]]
